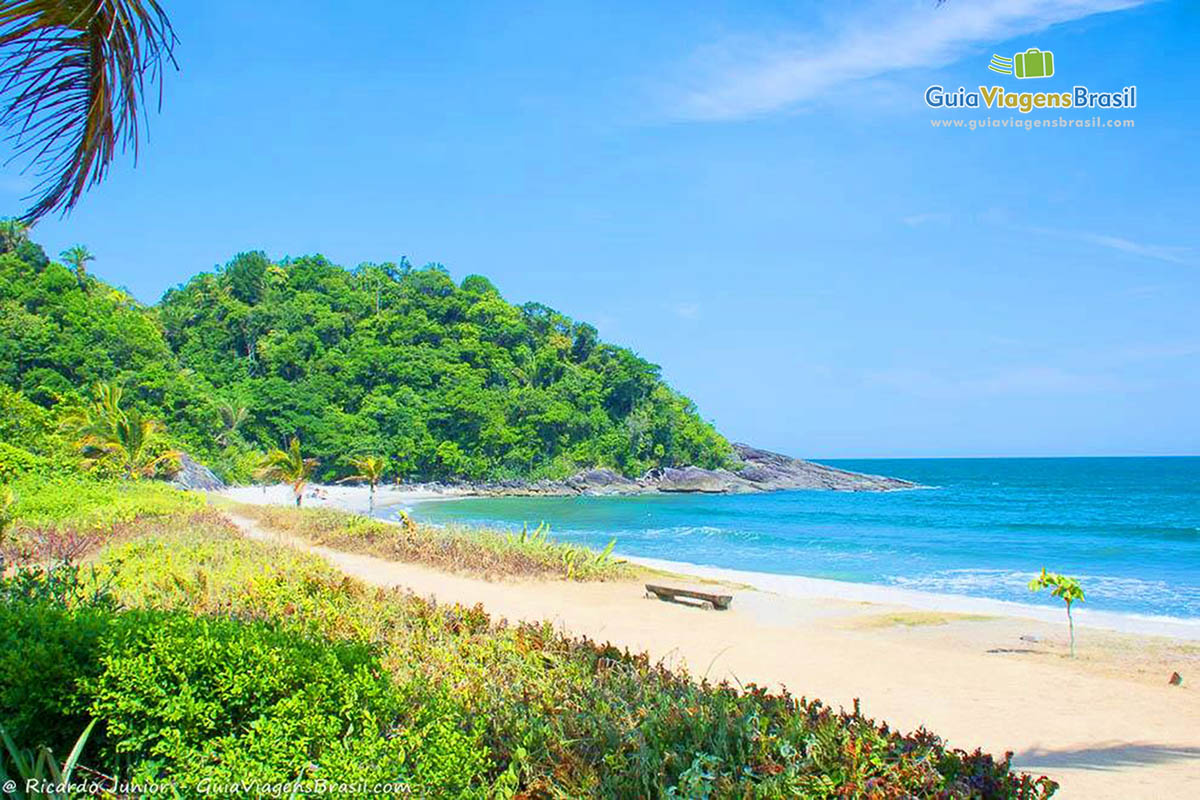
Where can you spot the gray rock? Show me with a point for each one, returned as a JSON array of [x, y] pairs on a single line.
[[600, 480], [755, 471], [194, 476], [771, 471]]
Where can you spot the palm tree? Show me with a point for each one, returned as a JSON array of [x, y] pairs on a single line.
[[232, 417], [13, 233], [289, 466], [78, 256], [75, 73], [105, 431], [133, 441], [370, 469]]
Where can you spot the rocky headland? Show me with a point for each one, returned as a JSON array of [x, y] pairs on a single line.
[[755, 471]]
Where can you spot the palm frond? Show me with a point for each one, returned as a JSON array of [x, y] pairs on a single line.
[[75, 73]]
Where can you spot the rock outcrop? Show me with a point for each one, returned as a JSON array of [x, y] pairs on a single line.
[[768, 471], [195, 476], [754, 471]]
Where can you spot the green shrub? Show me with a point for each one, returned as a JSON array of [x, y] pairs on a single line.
[[16, 462], [45, 648], [82, 503], [561, 717], [191, 698]]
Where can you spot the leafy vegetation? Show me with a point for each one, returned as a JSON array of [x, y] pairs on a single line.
[[440, 380], [1068, 589], [209, 655], [453, 549]]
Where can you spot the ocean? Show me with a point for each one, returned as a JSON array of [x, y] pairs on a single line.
[[1129, 528]]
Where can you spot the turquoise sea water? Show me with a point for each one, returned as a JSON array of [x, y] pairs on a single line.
[[1129, 527]]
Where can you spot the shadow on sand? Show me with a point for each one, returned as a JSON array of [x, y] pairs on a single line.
[[1116, 755]]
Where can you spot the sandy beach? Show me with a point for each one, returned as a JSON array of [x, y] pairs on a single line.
[[1106, 724]]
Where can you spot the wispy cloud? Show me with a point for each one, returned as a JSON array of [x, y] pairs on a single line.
[[1158, 252], [916, 220], [686, 310], [749, 75]]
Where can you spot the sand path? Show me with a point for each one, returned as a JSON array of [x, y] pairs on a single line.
[[1104, 727]]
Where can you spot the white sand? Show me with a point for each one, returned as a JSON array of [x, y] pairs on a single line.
[[346, 497], [354, 498], [1105, 724]]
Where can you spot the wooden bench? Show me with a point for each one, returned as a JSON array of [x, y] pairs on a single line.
[[717, 601]]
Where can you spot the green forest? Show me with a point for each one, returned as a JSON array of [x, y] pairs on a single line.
[[442, 380]]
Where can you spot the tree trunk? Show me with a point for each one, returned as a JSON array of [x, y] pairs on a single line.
[[1071, 625]]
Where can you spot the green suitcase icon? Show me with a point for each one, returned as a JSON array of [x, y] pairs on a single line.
[[1034, 63]]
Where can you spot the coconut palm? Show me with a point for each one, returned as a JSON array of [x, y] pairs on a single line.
[[75, 73], [232, 417], [1068, 589], [78, 257], [289, 466], [13, 233], [370, 469], [106, 432], [134, 442]]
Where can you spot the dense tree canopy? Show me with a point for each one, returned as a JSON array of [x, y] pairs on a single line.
[[441, 380]]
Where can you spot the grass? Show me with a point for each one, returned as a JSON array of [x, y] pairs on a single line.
[[214, 655], [66, 517], [468, 550]]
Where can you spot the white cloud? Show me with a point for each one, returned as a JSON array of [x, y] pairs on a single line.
[[686, 310], [1158, 252], [916, 220], [744, 76]]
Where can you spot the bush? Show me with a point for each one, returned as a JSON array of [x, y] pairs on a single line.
[[15, 462], [81, 503], [45, 648], [562, 717], [270, 677]]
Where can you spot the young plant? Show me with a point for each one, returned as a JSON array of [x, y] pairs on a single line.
[[1060, 586]]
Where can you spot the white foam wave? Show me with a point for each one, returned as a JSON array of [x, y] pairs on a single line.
[[820, 588]]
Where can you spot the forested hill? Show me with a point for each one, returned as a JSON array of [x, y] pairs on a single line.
[[445, 380]]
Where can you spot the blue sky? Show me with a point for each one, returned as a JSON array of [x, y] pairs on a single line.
[[750, 194]]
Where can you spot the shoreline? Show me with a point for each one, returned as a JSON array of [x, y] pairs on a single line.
[[801, 587], [354, 499]]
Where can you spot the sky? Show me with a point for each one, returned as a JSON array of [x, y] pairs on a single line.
[[751, 194]]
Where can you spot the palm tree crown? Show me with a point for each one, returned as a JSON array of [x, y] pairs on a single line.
[[75, 73], [78, 257], [370, 469], [105, 431], [289, 466]]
